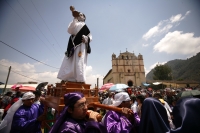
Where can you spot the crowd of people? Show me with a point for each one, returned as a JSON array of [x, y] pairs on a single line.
[[142, 111], [163, 110], [136, 110]]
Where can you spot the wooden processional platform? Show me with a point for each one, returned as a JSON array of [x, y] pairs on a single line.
[[55, 97]]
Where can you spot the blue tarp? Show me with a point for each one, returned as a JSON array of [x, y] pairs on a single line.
[[145, 84]]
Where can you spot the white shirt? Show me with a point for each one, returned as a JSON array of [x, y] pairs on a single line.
[[167, 107], [134, 107], [108, 101]]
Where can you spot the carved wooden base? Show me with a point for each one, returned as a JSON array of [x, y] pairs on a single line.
[[55, 96]]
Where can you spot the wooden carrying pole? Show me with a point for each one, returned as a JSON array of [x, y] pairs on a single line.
[[102, 106]]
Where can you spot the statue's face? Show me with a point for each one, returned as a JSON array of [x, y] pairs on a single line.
[[81, 17]]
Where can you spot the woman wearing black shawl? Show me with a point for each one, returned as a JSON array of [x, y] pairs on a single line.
[[186, 115], [154, 117]]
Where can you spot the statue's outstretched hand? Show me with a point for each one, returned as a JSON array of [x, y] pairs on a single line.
[[72, 8], [74, 12], [84, 39]]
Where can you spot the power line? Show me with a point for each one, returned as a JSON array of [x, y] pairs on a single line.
[[23, 71], [20, 74], [26, 76], [27, 55], [36, 25], [32, 72], [16, 72], [46, 25], [29, 26], [4, 65]]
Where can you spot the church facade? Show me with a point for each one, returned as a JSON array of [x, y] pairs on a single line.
[[127, 68]]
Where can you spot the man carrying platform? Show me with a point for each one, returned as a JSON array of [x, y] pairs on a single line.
[[76, 118]]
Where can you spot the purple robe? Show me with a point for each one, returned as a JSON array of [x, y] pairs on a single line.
[[66, 124], [117, 123], [25, 119], [81, 126]]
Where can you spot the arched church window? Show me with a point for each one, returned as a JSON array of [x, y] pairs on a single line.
[[129, 70]]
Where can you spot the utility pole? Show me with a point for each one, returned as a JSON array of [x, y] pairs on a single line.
[[97, 83], [7, 79]]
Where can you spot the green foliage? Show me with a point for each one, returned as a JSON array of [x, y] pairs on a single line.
[[157, 87], [183, 70], [162, 72]]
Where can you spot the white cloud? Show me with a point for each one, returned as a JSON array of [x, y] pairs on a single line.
[[164, 26], [176, 18], [152, 32], [157, 63], [146, 71], [187, 13], [24, 72], [145, 45], [178, 42], [20, 72], [88, 70], [92, 78], [17, 66], [153, 66]]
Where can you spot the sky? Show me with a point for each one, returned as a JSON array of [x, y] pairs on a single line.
[[34, 37]]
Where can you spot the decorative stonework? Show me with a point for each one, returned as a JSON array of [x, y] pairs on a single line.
[[127, 68]]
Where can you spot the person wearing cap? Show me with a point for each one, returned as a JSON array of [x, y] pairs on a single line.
[[28, 117], [73, 67], [23, 116], [116, 122], [76, 118]]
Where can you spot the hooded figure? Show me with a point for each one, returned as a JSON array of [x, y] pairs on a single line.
[[154, 117], [186, 116], [72, 119]]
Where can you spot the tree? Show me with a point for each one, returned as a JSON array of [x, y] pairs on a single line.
[[162, 72]]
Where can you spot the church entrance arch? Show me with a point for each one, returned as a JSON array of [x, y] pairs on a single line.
[[130, 83]]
